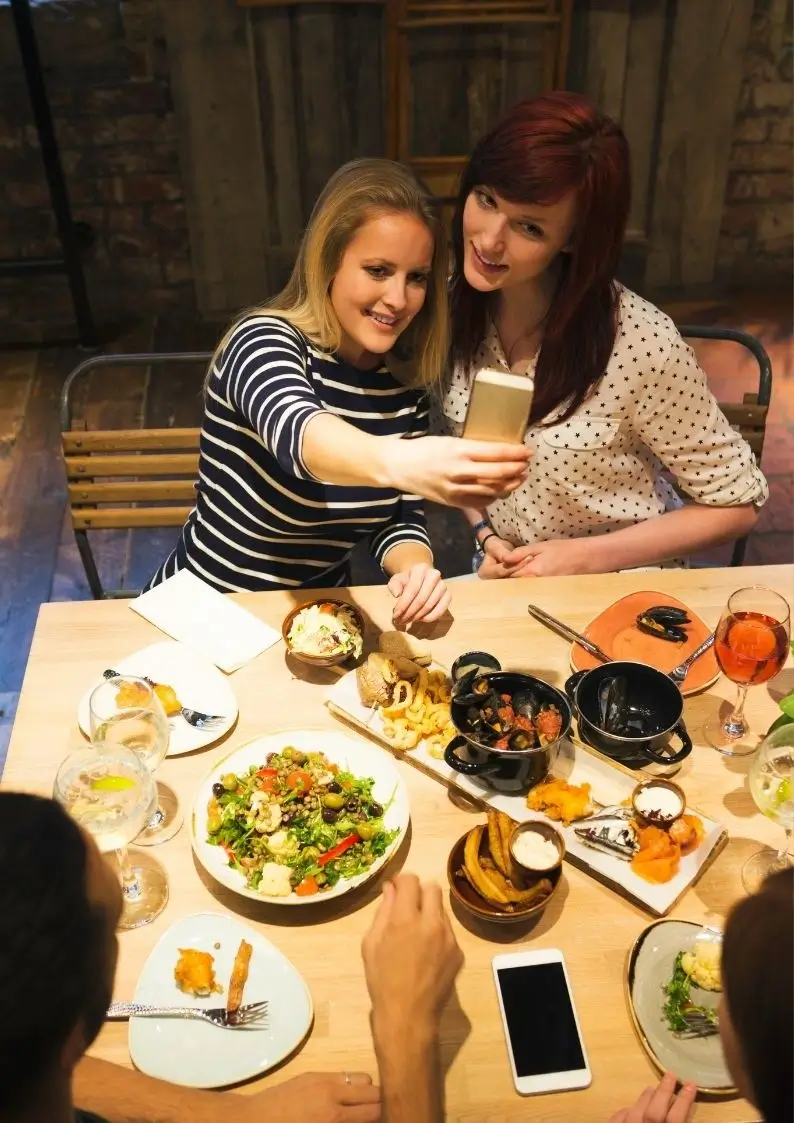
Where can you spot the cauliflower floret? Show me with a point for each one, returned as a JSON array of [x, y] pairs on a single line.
[[268, 819], [275, 880], [283, 844], [703, 966]]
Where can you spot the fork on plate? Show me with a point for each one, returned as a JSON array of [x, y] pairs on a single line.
[[193, 717], [254, 1015]]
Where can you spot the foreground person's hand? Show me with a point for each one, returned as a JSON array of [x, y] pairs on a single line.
[[411, 956], [318, 1097], [660, 1104], [421, 595], [456, 472]]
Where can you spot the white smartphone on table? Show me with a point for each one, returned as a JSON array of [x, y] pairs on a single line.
[[544, 1039], [499, 407]]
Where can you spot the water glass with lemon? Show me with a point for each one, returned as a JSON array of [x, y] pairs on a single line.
[[111, 795], [772, 787], [125, 712]]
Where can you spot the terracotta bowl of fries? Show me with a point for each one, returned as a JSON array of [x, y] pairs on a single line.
[[483, 879]]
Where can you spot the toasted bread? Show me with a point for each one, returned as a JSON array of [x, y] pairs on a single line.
[[407, 646]]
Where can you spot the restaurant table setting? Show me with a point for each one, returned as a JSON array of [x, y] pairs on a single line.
[[558, 753]]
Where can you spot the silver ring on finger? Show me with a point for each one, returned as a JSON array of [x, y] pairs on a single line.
[[347, 1078]]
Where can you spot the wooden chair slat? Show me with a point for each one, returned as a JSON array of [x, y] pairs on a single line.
[[134, 491], [748, 416], [130, 440], [126, 518], [154, 464]]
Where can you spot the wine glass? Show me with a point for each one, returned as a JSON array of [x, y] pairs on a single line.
[[110, 795], [771, 782], [751, 646], [125, 711]]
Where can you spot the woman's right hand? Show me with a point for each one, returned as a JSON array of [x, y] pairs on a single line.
[[496, 551], [456, 472], [660, 1104]]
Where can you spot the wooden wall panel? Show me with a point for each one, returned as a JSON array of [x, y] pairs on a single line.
[[212, 80], [704, 77]]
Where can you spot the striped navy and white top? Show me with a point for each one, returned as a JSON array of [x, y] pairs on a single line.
[[262, 520]]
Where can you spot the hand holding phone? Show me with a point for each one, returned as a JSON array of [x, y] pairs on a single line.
[[499, 407], [544, 1040]]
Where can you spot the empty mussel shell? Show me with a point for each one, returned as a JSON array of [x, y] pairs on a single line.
[[613, 703], [667, 614], [654, 627]]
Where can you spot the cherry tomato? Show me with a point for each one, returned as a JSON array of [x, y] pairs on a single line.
[[299, 781], [307, 888]]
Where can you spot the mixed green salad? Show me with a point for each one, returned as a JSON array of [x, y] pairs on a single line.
[[297, 824]]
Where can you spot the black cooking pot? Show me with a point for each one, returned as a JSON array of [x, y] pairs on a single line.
[[506, 769], [654, 703]]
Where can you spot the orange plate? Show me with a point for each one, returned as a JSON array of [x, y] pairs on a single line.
[[616, 633]]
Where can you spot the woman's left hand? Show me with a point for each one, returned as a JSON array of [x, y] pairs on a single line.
[[555, 558], [421, 594]]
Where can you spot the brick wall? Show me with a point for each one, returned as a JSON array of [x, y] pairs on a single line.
[[106, 71], [758, 224]]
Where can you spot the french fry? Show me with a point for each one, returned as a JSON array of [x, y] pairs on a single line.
[[495, 842]]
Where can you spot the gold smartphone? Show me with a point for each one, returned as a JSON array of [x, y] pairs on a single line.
[[499, 407]]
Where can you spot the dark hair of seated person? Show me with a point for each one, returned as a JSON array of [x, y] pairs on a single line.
[[53, 959], [758, 980]]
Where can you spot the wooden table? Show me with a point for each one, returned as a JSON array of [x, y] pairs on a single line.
[[591, 923]]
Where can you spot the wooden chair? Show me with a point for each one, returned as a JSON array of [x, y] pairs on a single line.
[[408, 17], [124, 479], [749, 415]]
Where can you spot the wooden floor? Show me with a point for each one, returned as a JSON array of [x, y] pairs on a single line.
[[38, 557]]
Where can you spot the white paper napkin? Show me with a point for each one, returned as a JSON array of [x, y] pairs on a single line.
[[190, 610]]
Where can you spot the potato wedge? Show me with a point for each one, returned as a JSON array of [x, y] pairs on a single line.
[[495, 842]]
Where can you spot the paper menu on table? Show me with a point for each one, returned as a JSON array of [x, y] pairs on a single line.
[[190, 610]]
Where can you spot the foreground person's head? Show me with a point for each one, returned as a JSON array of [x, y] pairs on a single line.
[[59, 905], [757, 1012]]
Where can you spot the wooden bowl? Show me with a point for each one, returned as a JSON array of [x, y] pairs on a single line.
[[470, 900], [319, 660]]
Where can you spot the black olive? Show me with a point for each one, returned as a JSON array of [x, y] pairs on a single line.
[[375, 810], [334, 787], [329, 815], [352, 805], [218, 790]]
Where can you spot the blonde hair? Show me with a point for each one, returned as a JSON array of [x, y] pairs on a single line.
[[356, 193]]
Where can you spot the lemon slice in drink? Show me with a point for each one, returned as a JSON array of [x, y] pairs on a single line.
[[112, 784], [783, 793]]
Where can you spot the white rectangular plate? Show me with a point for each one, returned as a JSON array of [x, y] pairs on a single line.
[[608, 785]]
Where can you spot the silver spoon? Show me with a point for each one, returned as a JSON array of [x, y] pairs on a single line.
[[679, 673]]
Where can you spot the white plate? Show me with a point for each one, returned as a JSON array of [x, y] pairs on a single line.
[[197, 1054], [699, 1060], [608, 785], [355, 756], [198, 684]]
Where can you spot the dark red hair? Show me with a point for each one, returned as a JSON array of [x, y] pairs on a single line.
[[538, 152]]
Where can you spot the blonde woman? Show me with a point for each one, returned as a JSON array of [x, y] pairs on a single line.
[[303, 450]]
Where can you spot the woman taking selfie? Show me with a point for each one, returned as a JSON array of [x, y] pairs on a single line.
[[303, 451], [618, 396]]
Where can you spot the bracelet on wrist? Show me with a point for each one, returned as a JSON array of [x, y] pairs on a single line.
[[487, 537], [483, 524]]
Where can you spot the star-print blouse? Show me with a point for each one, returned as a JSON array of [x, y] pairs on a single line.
[[604, 468]]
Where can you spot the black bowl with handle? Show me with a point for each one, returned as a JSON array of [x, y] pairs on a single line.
[[654, 703], [506, 769]]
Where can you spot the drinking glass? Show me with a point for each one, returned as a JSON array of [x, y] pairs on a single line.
[[125, 711], [771, 780], [110, 795], [751, 645]]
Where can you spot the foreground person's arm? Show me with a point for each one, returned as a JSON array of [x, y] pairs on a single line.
[[121, 1095], [411, 960]]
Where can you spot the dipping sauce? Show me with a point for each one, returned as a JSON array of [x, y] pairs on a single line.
[[657, 801], [534, 852]]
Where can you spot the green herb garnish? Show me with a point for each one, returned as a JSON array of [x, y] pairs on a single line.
[[679, 1009]]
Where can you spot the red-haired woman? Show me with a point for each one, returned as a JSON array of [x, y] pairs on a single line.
[[618, 396]]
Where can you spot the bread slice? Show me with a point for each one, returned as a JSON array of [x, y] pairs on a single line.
[[395, 644]]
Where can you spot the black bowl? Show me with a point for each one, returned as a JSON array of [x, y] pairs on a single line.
[[651, 694]]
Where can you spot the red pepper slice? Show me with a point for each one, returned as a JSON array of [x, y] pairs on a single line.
[[339, 849], [267, 772]]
